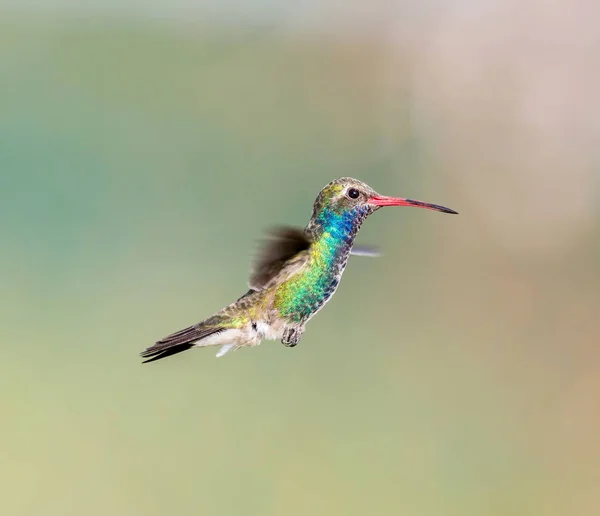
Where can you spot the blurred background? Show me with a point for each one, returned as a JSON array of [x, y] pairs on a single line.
[[144, 147]]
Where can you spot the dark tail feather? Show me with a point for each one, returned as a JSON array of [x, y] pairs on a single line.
[[157, 354], [178, 342]]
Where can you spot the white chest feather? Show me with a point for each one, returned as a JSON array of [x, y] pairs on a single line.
[[250, 335], [268, 332]]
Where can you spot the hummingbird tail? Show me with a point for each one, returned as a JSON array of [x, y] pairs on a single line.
[[180, 341]]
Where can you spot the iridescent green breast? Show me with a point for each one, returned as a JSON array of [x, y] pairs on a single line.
[[299, 298]]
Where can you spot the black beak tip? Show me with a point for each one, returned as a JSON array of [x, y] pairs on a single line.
[[430, 206], [444, 209]]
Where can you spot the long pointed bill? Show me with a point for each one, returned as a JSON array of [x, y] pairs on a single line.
[[382, 200]]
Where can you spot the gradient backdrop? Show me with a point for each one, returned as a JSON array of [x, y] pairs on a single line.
[[144, 149]]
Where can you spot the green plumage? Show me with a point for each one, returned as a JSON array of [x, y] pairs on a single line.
[[295, 275]]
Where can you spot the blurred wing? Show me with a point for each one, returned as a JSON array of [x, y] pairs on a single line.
[[282, 254], [365, 250]]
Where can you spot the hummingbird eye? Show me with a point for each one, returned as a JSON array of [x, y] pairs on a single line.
[[353, 193]]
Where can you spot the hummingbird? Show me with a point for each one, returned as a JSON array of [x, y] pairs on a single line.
[[295, 273]]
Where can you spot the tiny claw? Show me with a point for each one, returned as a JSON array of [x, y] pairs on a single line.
[[291, 337]]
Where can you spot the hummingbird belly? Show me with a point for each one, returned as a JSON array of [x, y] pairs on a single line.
[[244, 336], [269, 331]]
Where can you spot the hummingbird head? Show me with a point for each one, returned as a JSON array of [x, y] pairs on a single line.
[[344, 204], [351, 195]]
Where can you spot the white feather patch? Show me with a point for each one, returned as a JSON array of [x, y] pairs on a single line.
[[225, 348], [267, 332]]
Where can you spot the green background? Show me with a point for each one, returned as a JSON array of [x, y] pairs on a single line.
[[140, 161]]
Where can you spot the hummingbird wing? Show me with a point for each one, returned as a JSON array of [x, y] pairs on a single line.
[[284, 253], [365, 250]]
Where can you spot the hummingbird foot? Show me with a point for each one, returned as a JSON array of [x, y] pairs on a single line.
[[291, 336]]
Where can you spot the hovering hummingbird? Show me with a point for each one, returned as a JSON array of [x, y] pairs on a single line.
[[295, 274]]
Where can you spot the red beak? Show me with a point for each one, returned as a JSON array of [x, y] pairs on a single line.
[[382, 200]]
